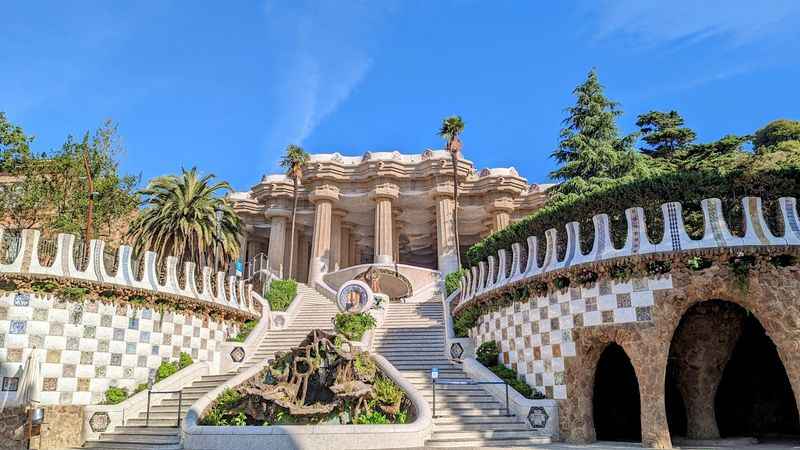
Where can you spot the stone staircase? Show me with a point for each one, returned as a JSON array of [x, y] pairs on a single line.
[[162, 433], [412, 339]]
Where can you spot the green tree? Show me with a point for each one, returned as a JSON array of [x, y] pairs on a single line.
[[186, 217], [14, 145], [779, 134], [722, 156], [664, 133], [591, 152], [293, 161], [450, 131]]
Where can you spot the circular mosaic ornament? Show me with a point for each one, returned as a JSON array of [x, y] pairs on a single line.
[[354, 297]]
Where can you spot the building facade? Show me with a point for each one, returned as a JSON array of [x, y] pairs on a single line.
[[381, 207]]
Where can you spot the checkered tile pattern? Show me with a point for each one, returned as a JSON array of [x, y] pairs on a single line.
[[90, 346], [536, 337]]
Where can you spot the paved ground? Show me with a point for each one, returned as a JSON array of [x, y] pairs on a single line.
[[738, 444]]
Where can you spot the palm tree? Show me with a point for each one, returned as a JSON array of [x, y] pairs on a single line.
[[451, 128], [293, 162], [185, 216]]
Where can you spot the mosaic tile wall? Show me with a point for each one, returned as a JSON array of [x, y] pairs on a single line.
[[536, 337], [90, 346]]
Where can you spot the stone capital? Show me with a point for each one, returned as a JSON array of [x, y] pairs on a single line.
[[324, 192], [502, 204], [277, 212], [340, 213], [442, 190], [385, 190]]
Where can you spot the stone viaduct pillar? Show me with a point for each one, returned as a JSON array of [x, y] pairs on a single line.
[[384, 245], [319, 264]]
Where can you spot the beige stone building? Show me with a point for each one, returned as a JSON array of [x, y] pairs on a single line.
[[380, 207]]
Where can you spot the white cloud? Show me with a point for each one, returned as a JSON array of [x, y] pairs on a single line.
[[653, 22]]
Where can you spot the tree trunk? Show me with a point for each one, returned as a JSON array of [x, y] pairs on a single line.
[[454, 157], [291, 238]]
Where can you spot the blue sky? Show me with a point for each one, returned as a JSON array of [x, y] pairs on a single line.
[[226, 86]]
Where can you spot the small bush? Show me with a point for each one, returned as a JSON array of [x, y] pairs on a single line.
[[365, 366], [8, 286], [281, 293], [586, 277], [656, 268], [467, 318], [140, 387], [115, 395], [783, 260], [698, 263], [184, 361], [74, 294], [510, 377], [561, 283], [452, 281], [371, 418], [353, 326], [165, 369], [43, 286], [245, 331], [387, 392], [220, 413], [622, 271], [487, 353]]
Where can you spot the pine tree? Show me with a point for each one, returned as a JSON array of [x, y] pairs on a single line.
[[664, 133], [591, 151]]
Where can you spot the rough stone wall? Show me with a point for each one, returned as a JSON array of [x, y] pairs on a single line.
[[87, 347], [10, 420], [62, 428], [772, 296]]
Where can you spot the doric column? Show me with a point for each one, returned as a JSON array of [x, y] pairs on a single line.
[[445, 236], [344, 259], [336, 239], [302, 257], [319, 264], [277, 239], [384, 247], [355, 257], [288, 249], [501, 213]]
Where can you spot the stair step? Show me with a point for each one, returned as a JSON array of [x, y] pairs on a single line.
[[104, 445], [482, 443], [481, 426], [130, 438], [481, 434], [152, 430], [154, 422]]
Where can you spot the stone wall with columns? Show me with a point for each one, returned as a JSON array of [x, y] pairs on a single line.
[[554, 315]]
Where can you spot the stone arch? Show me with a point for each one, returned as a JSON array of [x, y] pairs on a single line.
[[616, 401]]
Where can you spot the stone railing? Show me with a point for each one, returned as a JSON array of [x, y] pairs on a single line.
[[217, 291], [493, 274]]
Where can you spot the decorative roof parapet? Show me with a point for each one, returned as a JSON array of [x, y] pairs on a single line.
[[232, 294], [674, 238]]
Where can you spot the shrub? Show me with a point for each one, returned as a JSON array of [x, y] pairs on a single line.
[[8, 286], [656, 268], [561, 283], [371, 418], [165, 369], [452, 280], [74, 294], [466, 319], [622, 271], [365, 366], [487, 353], [220, 413], [184, 361], [783, 260], [586, 277], [115, 395], [387, 392], [245, 331], [281, 293], [698, 263], [43, 286], [510, 377], [353, 326], [140, 387]]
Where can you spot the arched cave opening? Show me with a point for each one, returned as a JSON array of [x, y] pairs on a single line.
[[615, 403], [755, 397]]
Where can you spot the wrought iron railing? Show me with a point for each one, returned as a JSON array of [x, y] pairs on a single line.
[[180, 405], [466, 383]]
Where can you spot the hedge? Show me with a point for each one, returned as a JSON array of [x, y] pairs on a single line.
[[281, 293], [687, 187]]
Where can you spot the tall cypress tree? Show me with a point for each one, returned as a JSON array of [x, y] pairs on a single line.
[[590, 150], [664, 133]]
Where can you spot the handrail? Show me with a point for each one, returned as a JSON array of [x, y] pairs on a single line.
[[467, 383], [180, 404]]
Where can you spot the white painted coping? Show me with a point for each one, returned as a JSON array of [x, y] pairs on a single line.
[[517, 403], [133, 405], [332, 437]]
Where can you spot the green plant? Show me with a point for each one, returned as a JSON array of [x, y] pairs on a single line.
[[465, 320], [140, 387], [8, 286], [659, 267], [165, 369], [510, 377], [540, 288], [43, 286], [371, 418], [137, 299], [452, 281], [281, 293], [487, 353], [115, 395], [220, 413], [184, 361], [698, 263], [622, 271], [353, 326], [387, 392], [365, 366], [740, 266], [74, 294], [239, 420], [561, 283], [401, 417], [783, 260], [245, 331], [108, 293]]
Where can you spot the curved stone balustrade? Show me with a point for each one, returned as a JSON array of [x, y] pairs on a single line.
[[481, 280], [229, 292]]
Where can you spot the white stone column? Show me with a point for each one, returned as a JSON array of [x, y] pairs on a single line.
[[319, 264], [384, 246], [445, 235], [302, 257], [277, 240], [336, 239], [344, 259]]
